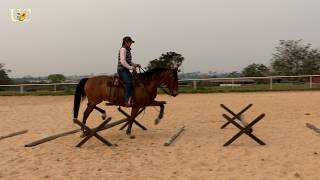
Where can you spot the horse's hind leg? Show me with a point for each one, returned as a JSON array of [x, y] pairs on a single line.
[[103, 112], [89, 109]]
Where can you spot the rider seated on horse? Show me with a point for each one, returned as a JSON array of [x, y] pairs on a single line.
[[126, 68]]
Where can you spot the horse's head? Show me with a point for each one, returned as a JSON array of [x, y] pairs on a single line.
[[171, 81], [158, 76]]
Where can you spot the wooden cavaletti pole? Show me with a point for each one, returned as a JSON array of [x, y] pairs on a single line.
[[13, 134], [313, 127], [50, 138], [174, 136]]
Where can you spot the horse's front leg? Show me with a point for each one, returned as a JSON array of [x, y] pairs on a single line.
[[132, 117], [161, 112], [103, 112]]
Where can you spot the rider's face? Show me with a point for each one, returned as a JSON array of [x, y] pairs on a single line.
[[128, 44]]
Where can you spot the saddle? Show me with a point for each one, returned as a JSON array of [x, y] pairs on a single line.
[[116, 81], [116, 84]]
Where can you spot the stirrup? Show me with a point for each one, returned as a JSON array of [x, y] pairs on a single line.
[[130, 102]]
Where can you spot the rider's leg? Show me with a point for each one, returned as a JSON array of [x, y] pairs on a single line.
[[126, 77]]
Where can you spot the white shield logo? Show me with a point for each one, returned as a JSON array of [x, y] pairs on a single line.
[[20, 15]]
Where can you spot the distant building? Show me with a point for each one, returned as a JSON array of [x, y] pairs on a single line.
[[316, 79]]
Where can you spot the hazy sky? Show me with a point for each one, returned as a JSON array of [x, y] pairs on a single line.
[[77, 37]]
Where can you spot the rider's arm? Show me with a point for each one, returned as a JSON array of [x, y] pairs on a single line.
[[123, 59]]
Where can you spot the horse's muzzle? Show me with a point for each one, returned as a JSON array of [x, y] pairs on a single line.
[[174, 93]]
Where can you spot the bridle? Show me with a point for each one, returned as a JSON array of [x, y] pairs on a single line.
[[161, 87]]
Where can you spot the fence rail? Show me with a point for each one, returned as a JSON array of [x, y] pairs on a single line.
[[22, 88], [233, 81], [208, 84]]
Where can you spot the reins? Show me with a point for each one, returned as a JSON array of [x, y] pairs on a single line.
[[161, 87]]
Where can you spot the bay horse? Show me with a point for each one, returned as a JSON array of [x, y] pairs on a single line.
[[109, 88]]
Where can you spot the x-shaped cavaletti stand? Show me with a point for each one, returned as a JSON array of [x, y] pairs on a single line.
[[245, 128], [134, 121], [89, 133]]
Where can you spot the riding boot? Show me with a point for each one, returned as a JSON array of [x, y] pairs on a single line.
[[130, 102]]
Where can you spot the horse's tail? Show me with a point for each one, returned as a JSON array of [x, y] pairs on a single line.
[[78, 96]]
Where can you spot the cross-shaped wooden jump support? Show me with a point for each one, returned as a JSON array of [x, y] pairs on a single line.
[[245, 128], [134, 121], [235, 116], [89, 133]]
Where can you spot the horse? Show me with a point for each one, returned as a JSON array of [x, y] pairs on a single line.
[[98, 89]]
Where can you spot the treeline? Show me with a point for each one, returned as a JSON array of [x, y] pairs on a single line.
[[4, 78], [290, 58]]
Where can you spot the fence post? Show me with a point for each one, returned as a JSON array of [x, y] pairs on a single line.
[[310, 82], [194, 85], [55, 87], [271, 85], [21, 89]]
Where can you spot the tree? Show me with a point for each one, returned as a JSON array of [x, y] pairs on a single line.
[[233, 74], [167, 60], [294, 58], [56, 78], [4, 78], [255, 70]]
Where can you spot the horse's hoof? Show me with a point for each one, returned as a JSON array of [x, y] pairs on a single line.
[[104, 116], [82, 134], [132, 136], [74, 120], [157, 121]]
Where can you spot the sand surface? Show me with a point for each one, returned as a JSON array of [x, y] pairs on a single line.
[[292, 150]]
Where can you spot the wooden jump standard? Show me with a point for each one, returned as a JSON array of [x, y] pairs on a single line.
[[245, 128], [237, 116], [90, 132], [49, 138], [134, 118]]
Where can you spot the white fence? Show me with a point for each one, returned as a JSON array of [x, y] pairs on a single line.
[[237, 81], [22, 87], [308, 82]]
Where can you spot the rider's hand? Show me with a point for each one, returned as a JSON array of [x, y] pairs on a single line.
[[133, 71]]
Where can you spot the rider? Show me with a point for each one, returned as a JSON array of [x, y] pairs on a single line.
[[126, 68]]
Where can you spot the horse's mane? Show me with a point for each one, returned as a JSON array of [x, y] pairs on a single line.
[[151, 73]]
